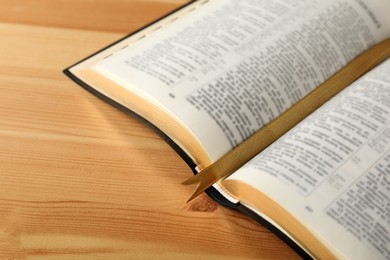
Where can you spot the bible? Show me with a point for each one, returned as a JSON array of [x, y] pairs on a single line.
[[213, 74]]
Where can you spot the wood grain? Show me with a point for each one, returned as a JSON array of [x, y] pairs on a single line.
[[80, 179]]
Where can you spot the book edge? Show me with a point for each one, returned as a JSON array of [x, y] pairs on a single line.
[[212, 192], [130, 34], [268, 225]]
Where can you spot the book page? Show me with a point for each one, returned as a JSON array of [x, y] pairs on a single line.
[[230, 67], [332, 171]]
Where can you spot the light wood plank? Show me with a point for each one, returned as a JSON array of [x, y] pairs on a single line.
[[103, 15]]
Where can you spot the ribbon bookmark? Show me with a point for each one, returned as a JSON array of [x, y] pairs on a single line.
[[240, 155]]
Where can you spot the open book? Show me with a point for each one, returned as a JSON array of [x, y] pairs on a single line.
[[215, 72]]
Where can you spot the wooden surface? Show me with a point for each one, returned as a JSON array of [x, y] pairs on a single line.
[[80, 179]]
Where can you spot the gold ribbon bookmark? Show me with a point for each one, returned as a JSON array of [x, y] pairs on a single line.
[[240, 155]]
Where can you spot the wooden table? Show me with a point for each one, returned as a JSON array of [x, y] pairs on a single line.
[[79, 178]]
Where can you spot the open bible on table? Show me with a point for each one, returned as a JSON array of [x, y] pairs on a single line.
[[223, 80]]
